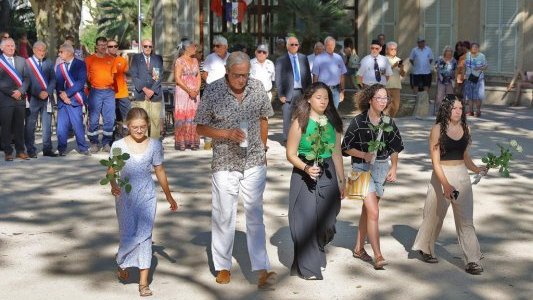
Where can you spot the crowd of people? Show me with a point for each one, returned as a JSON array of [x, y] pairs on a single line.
[[227, 99]]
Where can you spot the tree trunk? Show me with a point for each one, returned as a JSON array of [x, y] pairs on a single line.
[[55, 20], [5, 15]]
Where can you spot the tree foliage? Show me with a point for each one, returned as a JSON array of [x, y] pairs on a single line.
[[312, 20], [118, 19]]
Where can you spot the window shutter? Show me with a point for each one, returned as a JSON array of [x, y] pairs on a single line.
[[501, 35], [438, 19], [383, 19]]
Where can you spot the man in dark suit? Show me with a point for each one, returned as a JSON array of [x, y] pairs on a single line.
[[13, 86], [71, 75], [292, 77], [146, 71], [42, 85]]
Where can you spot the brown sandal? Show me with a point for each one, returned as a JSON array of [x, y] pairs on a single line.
[[144, 291], [362, 255], [122, 274], [380, 263]]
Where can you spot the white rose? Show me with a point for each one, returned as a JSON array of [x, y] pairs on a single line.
[[386, 119], [323, 121], [513, 143], [519, 149]]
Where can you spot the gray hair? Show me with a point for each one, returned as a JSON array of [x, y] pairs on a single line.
[[288, 38], [318, 44], [4, 41], [447, 48], [67, 47], [220, 40], [39, 44], [391, 43], [329, 38], [237, 58], [183, 45]]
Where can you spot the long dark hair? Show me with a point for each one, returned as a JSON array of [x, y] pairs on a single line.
[[362, 99], [303, 108], [443, 118]]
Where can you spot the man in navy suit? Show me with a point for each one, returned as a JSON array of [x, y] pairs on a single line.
[[292, 78], [146, 71], [42, 85], [71, 75], [13, 86]]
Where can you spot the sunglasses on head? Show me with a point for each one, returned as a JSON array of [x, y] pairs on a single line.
[[148, 46], [112, 46]]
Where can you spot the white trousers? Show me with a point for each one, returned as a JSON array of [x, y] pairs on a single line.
[[225, 192]]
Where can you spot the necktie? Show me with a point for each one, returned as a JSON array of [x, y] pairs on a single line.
[[67, 65], [376, 70], [40, 64], [147, 58], [11, 61], [296, 68]]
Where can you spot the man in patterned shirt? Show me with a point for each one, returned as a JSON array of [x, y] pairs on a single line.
[[234, 112]]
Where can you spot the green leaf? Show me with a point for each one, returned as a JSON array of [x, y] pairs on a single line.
[[104, 181], [104, 162], [128, 188], [110, 176], [387, 128], [505, 173], [484, 160], [125, 156]]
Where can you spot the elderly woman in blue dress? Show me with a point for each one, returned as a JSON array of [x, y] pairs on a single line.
[[474, 90], [136, 209], [372, 101]]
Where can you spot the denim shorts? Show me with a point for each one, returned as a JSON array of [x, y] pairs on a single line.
[[379, 171]]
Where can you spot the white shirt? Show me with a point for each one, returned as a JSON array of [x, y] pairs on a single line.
[[264, 72], [422, 59], [311, 60], [215, 67], [366, 70]]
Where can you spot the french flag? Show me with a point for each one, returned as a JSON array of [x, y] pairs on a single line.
[[235, 11]]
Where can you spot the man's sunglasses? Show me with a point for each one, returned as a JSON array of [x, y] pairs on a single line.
[[112, 46], [148, 46]]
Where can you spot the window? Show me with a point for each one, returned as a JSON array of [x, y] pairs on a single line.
[[382, 19], [438, 24], [500, 37]]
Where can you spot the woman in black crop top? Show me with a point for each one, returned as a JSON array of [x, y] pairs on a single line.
[[450, 184]]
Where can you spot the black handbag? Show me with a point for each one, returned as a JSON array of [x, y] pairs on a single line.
[[473, 78]]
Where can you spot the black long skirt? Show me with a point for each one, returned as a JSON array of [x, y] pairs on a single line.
[[313, 210]]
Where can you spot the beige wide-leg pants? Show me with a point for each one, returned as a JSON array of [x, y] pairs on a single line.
[[435, 210]]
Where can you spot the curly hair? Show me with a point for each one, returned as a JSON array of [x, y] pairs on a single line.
[[303, 108], [362, 99], [443, 118]]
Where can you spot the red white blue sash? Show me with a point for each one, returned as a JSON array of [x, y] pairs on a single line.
[[69, 82], [37, 72], [11, 71]]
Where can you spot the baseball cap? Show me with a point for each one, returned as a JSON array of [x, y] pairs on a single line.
[[262, 47], [421, 39]]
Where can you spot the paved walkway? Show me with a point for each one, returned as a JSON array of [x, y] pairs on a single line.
[[58, 230]]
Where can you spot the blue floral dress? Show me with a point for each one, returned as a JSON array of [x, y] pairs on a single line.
[[136, 210]]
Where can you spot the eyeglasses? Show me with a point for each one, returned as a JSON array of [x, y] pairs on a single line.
[[148, 46], [112, 46], [60, 51], [239, 76], [261, 52], [294, 45], [218, 46], [382, 99]]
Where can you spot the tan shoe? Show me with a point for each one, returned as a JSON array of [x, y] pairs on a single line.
[[23, 156], [223, 277], [379, 263], [144, 291], [266, 279]]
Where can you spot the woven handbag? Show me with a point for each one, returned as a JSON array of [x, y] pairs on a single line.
[[357, 185]]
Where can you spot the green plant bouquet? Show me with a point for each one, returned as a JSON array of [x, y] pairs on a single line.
[[318, 143], [502, 161], [377, 144], [117, 161]]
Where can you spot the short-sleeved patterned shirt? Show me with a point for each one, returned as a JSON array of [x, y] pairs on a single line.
[[359, 134], [220, 109]]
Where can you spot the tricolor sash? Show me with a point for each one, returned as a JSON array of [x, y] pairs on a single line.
[[69, 82], [34, 67], [11, 71]]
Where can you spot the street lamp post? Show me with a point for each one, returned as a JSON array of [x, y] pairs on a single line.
[[139, 26]]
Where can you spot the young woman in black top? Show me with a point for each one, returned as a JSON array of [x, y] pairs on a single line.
[[450, 184]]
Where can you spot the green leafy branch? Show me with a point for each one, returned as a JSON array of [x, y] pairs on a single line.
[[318, 143], [385, 126], [502, 161], [117, 161]]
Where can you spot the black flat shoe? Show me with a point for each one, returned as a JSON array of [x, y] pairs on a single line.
[[32, 155], [473, 268], [430, 259], [50, 154]]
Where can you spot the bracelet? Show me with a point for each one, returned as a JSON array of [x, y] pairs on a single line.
[[306, 168]]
